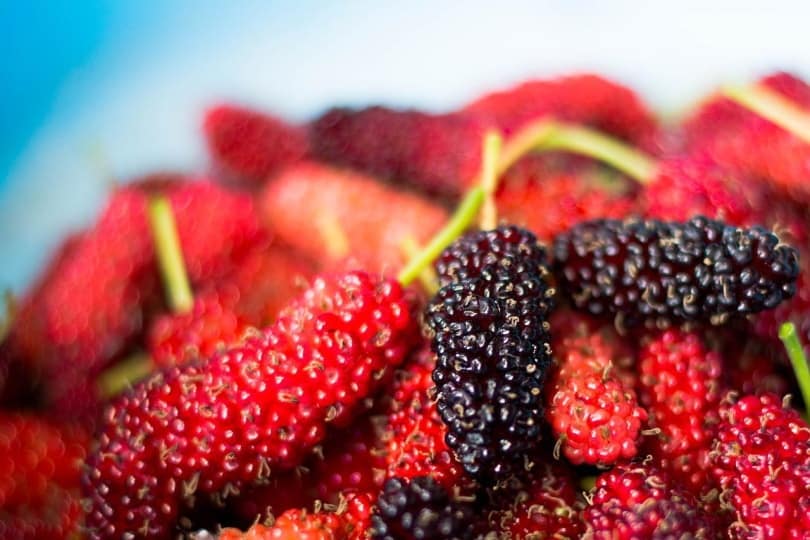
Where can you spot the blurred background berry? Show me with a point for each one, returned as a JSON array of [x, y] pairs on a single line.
[[96, 91]]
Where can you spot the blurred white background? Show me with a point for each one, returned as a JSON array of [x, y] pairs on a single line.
[[133, 103]]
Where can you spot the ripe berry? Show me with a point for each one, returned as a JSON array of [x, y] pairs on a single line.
[[247, 146], [209, 430], [440, 154], [416, 444], [594, 416], [210, 326], [700, 270], [761, 459], [546, 505], [583, 99], [639, 501], [680, 385], [491, 340], [420, 508], [340, 213], [39, 477]]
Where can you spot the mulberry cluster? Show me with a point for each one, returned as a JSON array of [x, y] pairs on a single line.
[[492, 344], [698, 270]]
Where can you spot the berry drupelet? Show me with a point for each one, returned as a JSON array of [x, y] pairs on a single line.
[[490, 335], [700, 270], [421, 509]]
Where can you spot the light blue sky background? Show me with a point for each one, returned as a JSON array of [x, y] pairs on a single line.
[[98, 89]]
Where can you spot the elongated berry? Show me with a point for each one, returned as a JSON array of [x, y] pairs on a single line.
[[209, 430], [491, 341], [702, 270]]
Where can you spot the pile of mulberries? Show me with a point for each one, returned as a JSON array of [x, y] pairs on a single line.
[[309, 338]]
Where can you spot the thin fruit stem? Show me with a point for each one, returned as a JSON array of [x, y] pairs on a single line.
[[8, 314], [458, 223], [544, 135], [596, 145], [489, 179], [124, 374], [772, 106], [428, 278], [532, 137], [787, 333], [333, 236], [170, 255]]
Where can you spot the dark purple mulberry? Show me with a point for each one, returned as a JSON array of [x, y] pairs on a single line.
[[492, 345], [700, 270], [420, 509]]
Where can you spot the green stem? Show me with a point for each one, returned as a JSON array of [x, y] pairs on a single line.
[[787, 333], [124, 374], [459, 221], [170, 255], [529, 138], [591, 143], [772, 106], [489, 179], [8, 314]]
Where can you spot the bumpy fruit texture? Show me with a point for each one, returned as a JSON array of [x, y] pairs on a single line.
[[350, 461], [490, 336], [681, 385], [701, 270], [341, 214], [421, 509], [594, 416], [440, 154], [248, 146], [416, 444], [211, 430], [583, 99], [639, 501], [761, 459], [211, 325], [546, 505], [548, 202], [39, 477]]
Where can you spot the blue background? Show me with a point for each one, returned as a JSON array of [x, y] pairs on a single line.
[[94, 91]]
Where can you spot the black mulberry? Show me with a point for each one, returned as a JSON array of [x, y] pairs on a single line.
[[420, 509], [701, 270], [492, 345]]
